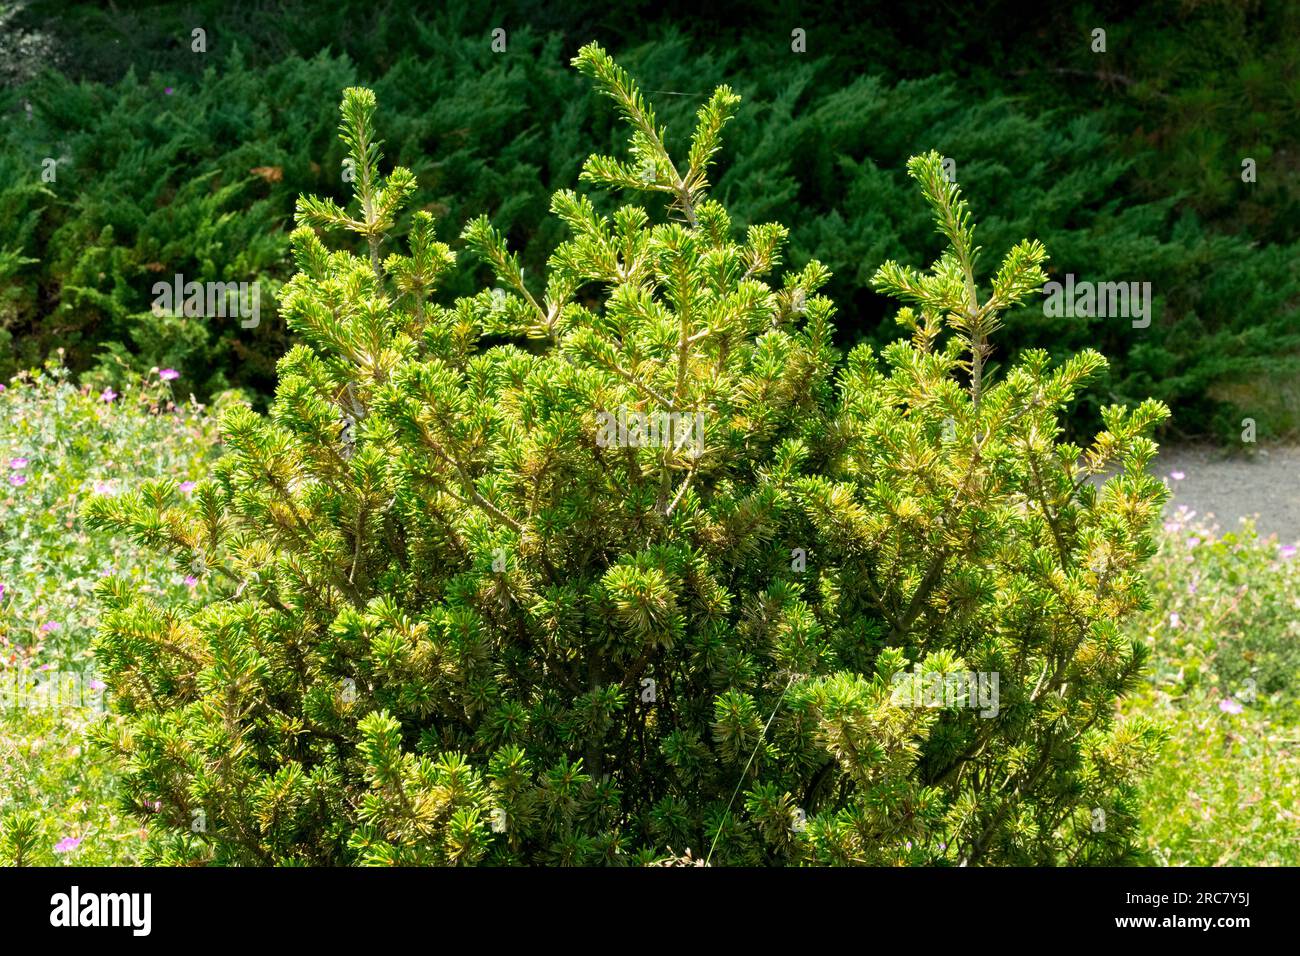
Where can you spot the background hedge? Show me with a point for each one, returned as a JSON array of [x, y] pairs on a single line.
[[1127, 164]]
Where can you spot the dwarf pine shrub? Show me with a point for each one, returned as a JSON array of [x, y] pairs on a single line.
[[622, 564]]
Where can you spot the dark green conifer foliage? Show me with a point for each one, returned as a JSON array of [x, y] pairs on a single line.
[[467, 618]]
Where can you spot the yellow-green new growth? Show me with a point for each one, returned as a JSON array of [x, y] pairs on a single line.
[[948, 292], [652, 168]]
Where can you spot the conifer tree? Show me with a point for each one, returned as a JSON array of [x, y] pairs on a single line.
[[620, 565]]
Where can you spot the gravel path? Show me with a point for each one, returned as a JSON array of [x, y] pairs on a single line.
[[1267, 485]]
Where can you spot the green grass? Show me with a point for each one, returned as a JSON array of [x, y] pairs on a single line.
[[58, 446], [1225, 636]]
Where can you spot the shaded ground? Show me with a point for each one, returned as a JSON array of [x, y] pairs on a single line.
[[1267, 485]]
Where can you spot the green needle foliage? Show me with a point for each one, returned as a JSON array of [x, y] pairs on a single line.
[[621, 562]]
